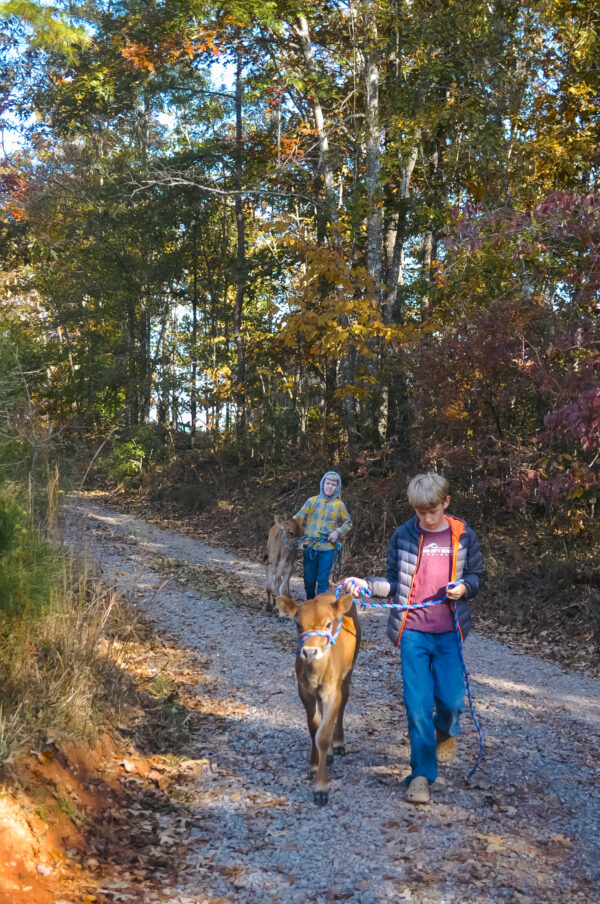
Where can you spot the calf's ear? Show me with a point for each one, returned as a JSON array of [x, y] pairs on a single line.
[[343, 604], [278, 521], [287, 605]]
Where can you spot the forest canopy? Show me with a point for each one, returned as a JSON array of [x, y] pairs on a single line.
[[350, 226]]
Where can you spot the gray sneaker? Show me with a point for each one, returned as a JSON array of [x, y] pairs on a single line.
[[418, 790]]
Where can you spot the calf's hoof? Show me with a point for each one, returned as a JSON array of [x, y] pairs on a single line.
[[340, 750], [320, 798], [329, 759]]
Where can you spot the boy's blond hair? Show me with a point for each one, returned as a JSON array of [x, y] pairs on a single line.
[[428, 490]]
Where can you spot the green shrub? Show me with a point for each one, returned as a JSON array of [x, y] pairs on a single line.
[[13, 522], [132, 450], [58, 668], [125, 460], [28, 565]]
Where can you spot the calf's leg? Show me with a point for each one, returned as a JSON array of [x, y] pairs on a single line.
[[286, 574], [313, 718], [339, 747], [270, 589], [329, 758], [331, 705]]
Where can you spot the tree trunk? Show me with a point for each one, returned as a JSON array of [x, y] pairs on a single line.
[[174, 381], [395, 235], [347, 368], [431, 236], [395, 413], [303, 32], [145, 369], [238, 338], [194, 387], [131, 388], [373, 154], [374, 255]]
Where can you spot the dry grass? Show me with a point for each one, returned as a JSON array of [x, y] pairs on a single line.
[[59, 669]]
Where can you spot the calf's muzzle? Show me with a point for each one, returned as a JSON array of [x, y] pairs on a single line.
[[310, 654]]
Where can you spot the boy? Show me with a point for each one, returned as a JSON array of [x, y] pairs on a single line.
[[325, 519], [431, 556]]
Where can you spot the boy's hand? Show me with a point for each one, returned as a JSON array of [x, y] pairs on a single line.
[[354, 586], [333, 536], [455, 591]]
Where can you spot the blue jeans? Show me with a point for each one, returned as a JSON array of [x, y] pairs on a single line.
[[317, 566], [432, 676]]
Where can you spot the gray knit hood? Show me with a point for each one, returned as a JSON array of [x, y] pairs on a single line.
[[335, 476]]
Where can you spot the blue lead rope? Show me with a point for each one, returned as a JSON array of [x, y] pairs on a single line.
[[469, 694], [315, 542], [365, 592]]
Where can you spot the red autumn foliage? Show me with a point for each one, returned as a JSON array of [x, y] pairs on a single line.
[[511, 381]]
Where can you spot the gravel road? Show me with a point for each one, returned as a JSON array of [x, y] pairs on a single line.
[[525, 829]]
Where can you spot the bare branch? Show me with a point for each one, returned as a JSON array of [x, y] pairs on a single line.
[[171, 178]]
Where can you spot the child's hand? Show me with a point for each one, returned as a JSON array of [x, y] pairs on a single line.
[[333, 536], [454, 591], [354, 586]]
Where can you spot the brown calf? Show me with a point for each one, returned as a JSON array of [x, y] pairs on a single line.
[[282, 549], [324, 672]]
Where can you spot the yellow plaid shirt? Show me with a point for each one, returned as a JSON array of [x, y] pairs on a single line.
[[321, 516]]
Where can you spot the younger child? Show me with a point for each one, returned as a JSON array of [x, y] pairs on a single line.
[[325, 519], [427, 555]]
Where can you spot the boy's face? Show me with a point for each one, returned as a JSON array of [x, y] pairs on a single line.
[[433, 518], [329, 486]]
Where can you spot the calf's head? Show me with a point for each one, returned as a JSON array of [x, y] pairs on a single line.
[[290, 528], [320, 614]]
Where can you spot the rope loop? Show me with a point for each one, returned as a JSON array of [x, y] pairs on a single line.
[[291, 545], [331, 637]]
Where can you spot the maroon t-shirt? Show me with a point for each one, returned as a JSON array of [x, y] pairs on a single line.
[[430, 584]]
